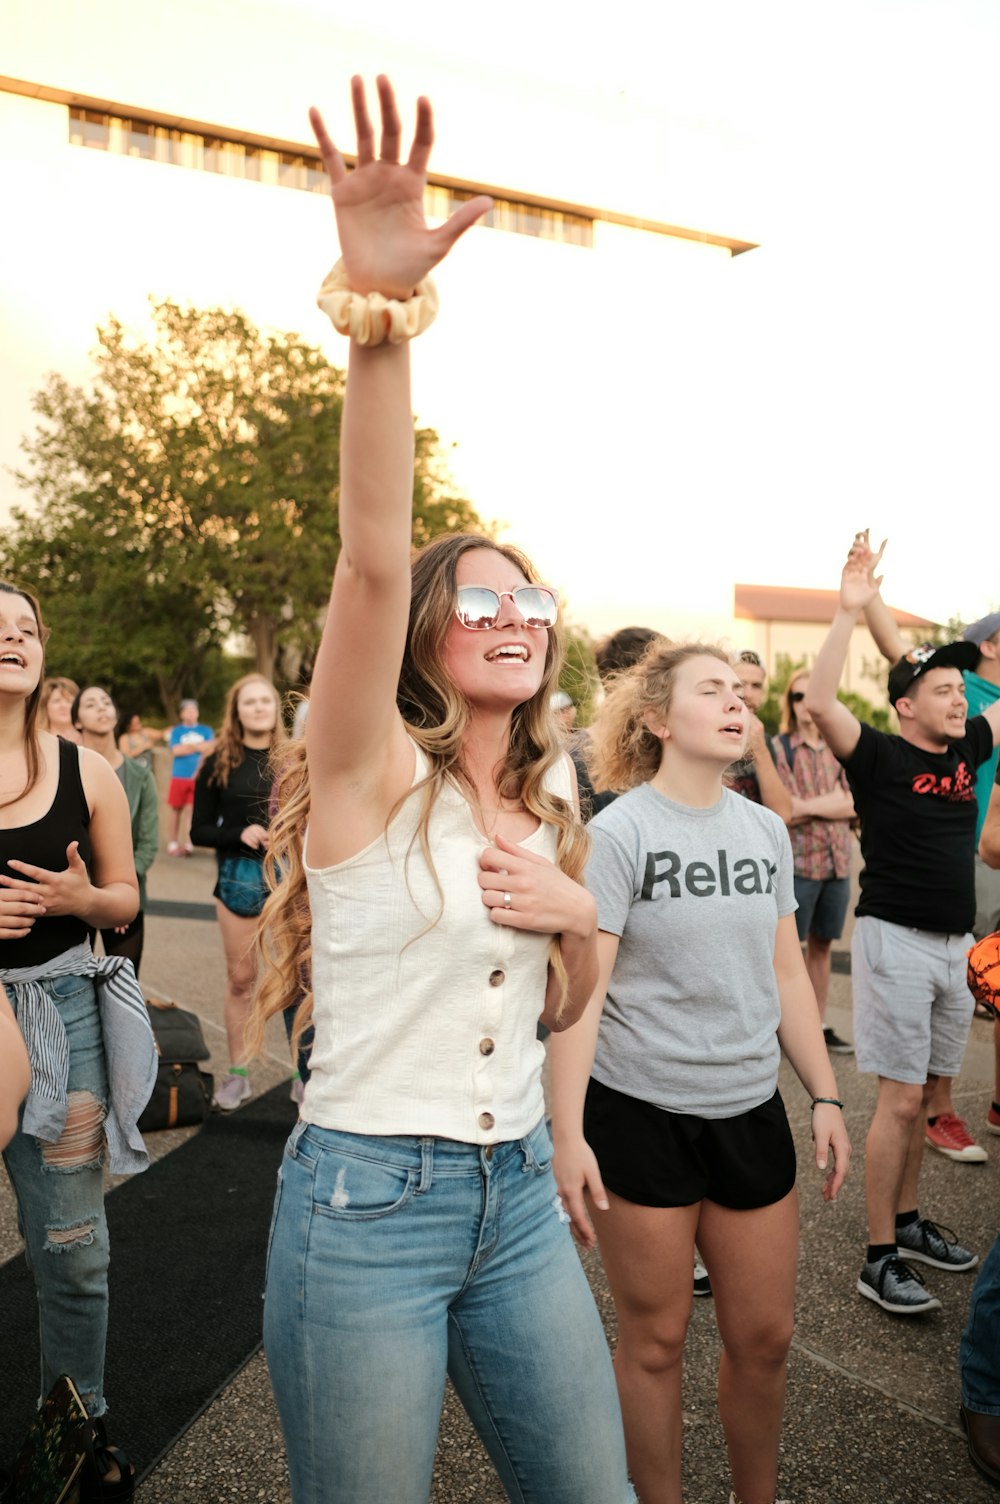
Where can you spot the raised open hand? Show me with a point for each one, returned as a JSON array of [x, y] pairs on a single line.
[[861, 551], [385, 240], [859, 584]]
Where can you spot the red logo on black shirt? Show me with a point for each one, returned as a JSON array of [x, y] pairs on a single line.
[[956, 788]]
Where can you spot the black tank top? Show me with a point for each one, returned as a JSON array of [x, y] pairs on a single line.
[[43, 844]]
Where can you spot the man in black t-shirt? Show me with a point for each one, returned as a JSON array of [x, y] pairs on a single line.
[[915, 795]]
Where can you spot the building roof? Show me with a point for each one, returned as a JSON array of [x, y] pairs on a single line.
[[215, 131], [789, 603]]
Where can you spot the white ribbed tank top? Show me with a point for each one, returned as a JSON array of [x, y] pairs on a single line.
[[427, 1031]]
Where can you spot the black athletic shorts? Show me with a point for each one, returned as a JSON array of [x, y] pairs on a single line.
[[653, 1157]]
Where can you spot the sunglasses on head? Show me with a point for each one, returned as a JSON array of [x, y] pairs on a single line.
[[478, 607], [797, 696]]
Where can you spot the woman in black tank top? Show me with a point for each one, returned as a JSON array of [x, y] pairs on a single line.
[[66, 866]]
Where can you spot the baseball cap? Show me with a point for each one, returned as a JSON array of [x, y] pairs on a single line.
[[986, 626], [926, 656]]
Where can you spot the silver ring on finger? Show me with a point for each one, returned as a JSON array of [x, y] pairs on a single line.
[[506, 900]]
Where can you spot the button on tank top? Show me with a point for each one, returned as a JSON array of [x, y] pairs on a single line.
[[43, 843]]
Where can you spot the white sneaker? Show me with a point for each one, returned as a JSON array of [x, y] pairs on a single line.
[[173, 848], [231, 1093]]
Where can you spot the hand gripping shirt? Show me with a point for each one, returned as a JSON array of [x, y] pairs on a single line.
[[691, 1016], [425, 1009]]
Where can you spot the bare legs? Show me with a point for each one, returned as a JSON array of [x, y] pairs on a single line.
[[751, 1258], [894, 1151], [241, 970]]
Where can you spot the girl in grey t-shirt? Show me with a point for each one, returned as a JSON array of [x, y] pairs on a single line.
[[666, 1113]]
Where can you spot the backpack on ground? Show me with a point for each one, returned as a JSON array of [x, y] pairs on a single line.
[[182, 1094]]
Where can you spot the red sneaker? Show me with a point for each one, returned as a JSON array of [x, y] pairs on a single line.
[[993, 1120], [949, 1136]]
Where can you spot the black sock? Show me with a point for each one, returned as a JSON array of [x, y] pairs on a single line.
[[878, 1251], [906, 1219], [933, 1120], [996, 1106]]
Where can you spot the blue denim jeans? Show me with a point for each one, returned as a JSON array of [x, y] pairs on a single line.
[[979, 1353], [394, 1261], [60, 1207]]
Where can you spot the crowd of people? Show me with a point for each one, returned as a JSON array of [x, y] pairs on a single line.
[[440, 882]]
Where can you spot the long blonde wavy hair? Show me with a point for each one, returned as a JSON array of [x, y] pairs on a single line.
[[229, 749], [436, 714], [623, 750]]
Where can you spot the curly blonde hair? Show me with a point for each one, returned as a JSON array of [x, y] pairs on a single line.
[[436, 714], [623, 751], [229, 748]]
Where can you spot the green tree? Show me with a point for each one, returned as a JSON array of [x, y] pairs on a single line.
[[189, 492], [770, 712]]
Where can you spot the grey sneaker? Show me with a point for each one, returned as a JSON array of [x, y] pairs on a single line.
[[896, 1287], [231, 1093], [930, 1243]]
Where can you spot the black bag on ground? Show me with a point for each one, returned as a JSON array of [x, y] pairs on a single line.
[[182, 1094]]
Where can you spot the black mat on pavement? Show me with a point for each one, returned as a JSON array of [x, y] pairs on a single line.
[[188, 1241]]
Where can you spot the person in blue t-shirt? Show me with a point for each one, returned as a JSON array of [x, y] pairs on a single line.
[[189, 742]]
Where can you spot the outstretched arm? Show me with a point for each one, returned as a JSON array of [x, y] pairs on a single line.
[[881, 622], [841, 729], [801, 1038], [359, 758]]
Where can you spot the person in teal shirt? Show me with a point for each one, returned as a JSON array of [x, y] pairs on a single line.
[[982, 687]]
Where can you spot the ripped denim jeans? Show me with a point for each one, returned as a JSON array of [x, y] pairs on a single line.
[[394, 1261], [60, 1203]]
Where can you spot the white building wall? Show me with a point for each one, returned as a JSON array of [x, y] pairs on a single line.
[[560, 371]]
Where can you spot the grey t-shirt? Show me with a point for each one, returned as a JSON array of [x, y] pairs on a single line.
[[692, 1010]]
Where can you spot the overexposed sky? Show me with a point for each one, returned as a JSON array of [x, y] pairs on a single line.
[[687, 423], [847, 371]]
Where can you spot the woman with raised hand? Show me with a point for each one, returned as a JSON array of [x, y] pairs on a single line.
[[417, 1231], [66, 867], [231, 813], [665, 1108]]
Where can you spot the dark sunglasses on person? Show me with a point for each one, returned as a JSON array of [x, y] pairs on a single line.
[[797, 696], [478, 607]]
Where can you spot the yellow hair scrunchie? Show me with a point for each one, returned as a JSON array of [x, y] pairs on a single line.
[[370, 318]]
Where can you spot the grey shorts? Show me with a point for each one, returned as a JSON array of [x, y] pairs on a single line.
[[912, 1005]]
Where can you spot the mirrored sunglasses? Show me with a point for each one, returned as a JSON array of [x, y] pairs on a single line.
[[478, 607]]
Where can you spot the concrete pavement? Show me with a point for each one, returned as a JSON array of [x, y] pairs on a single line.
[[872, 1413]]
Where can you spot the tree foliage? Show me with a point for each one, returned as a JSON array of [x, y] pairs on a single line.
[[785, 667], [190, 492]]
